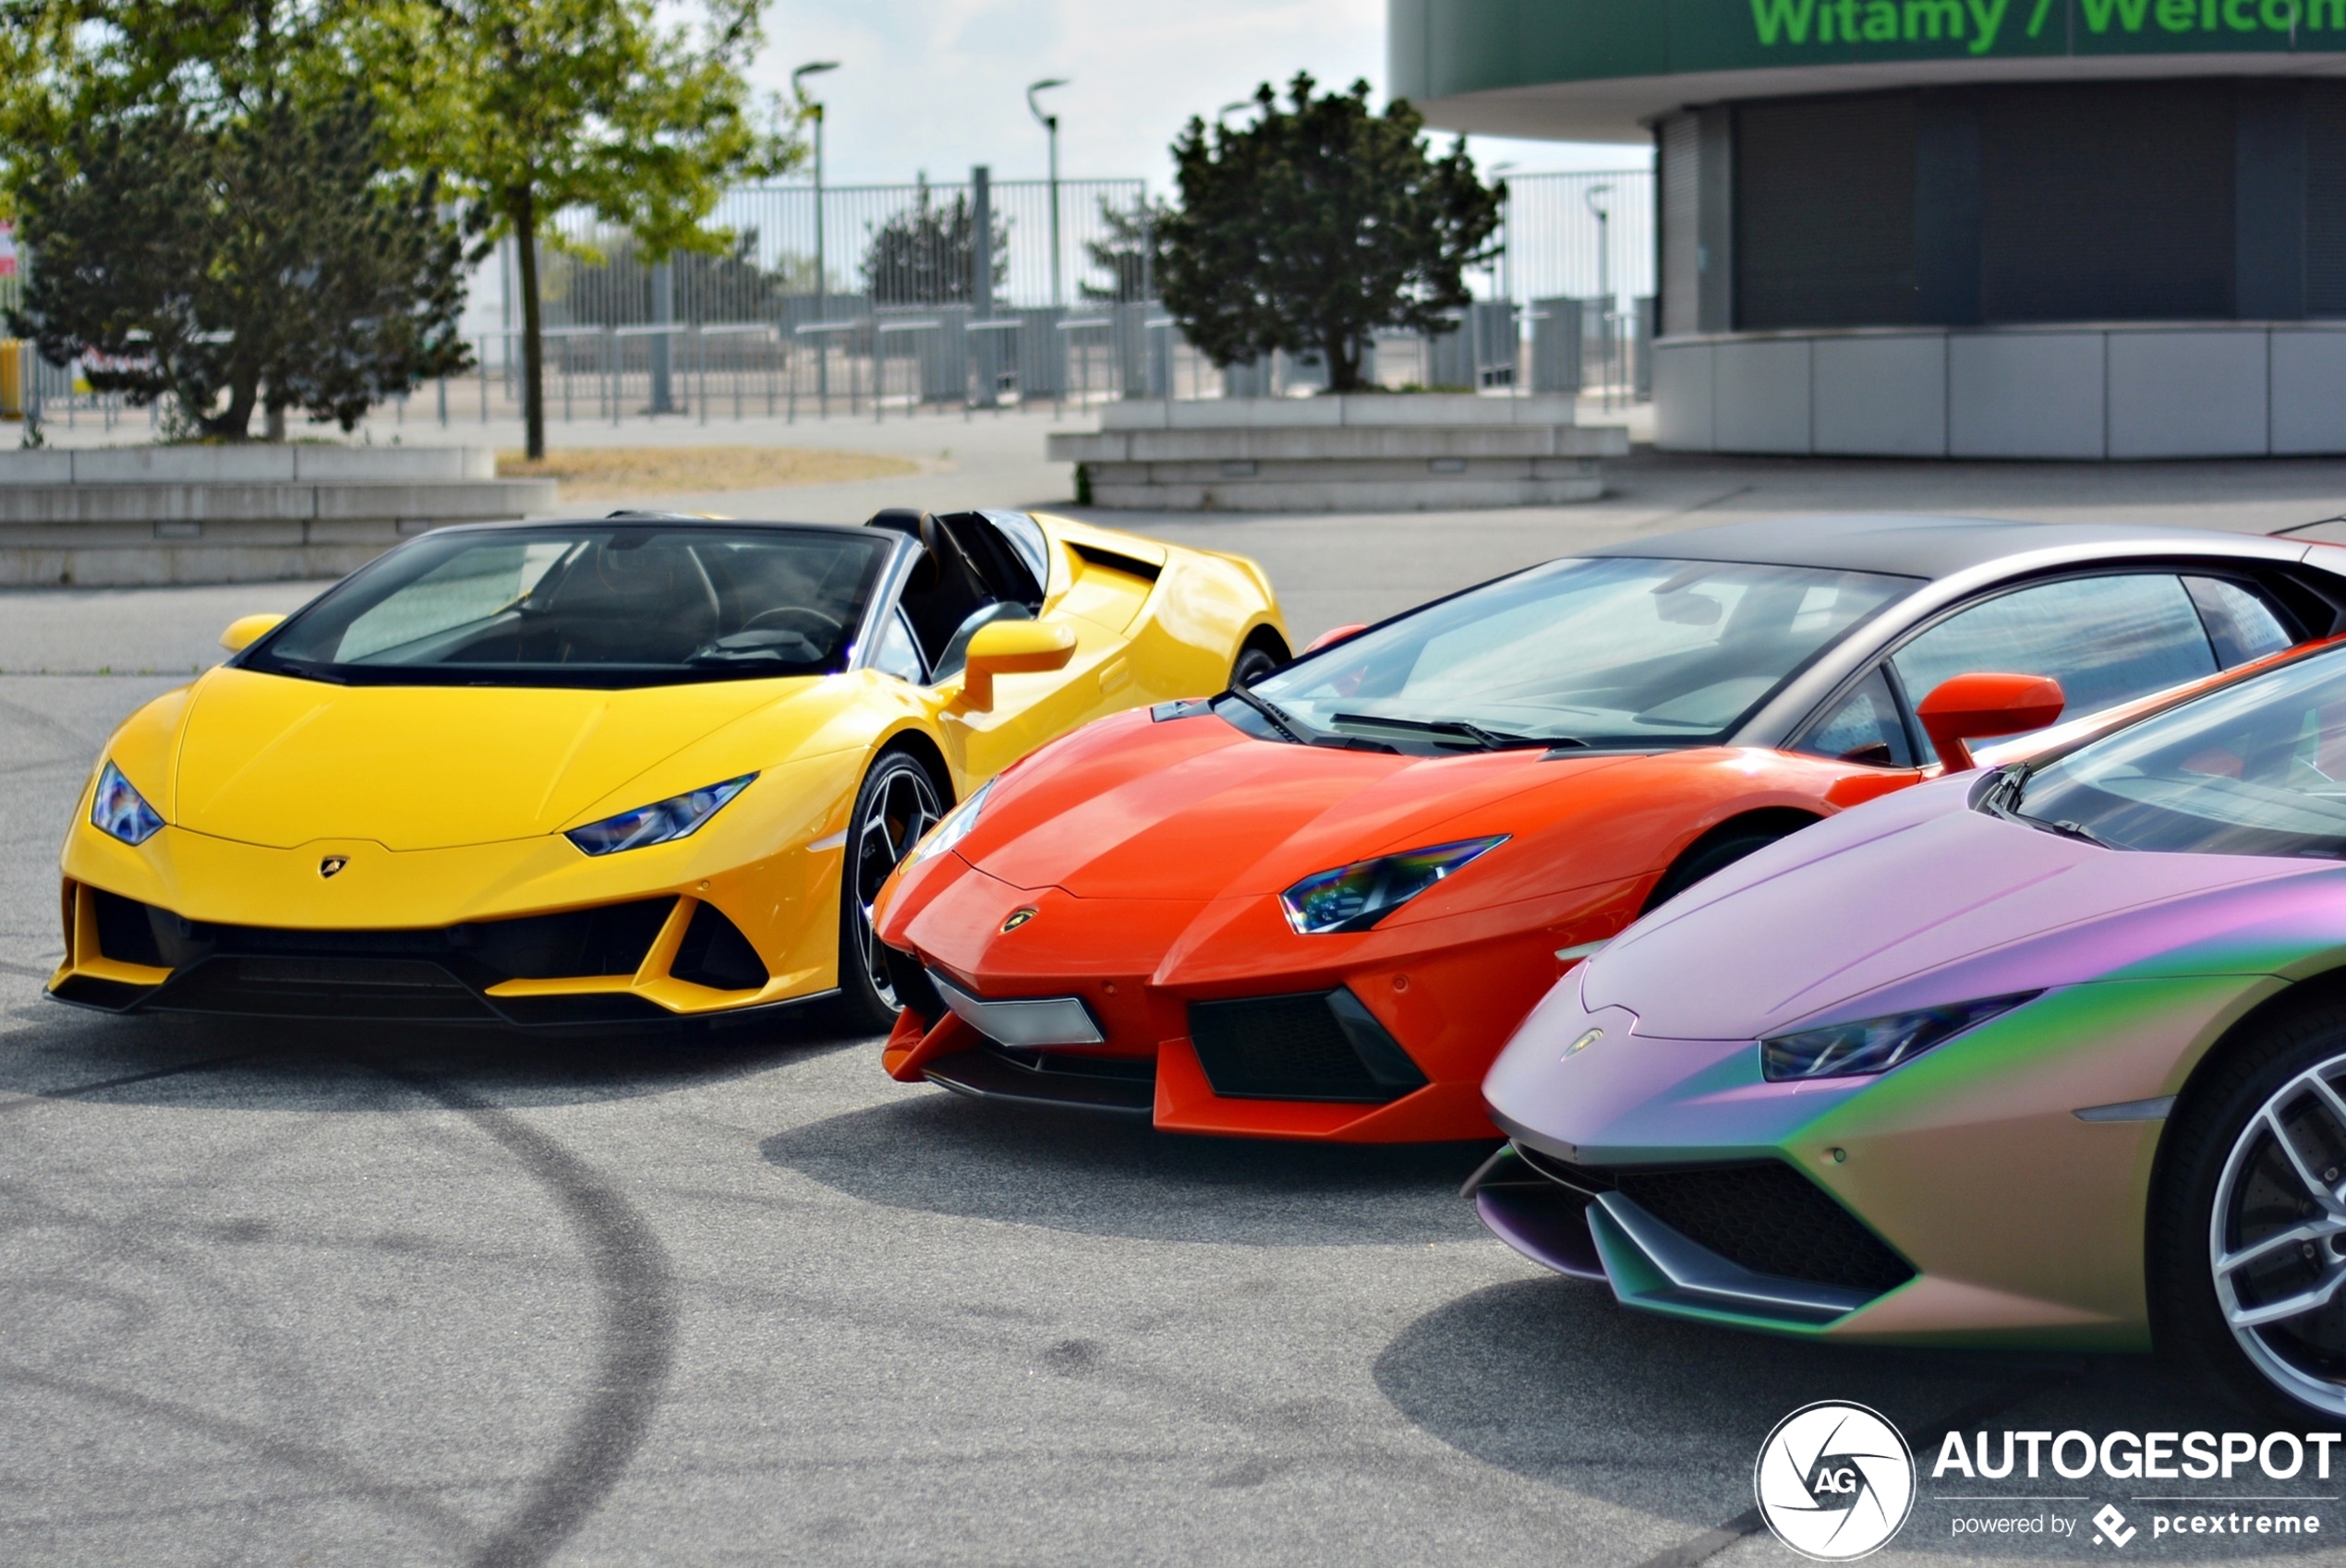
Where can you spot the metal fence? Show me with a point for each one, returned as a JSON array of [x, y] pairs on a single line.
[[880, 300]]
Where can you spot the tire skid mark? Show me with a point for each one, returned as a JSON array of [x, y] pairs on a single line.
[[639, 1334], [45, 1096], [347, 1479]]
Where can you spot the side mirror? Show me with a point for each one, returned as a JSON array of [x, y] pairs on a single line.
[[1974, 707], [1335, 634], [1012, 647], [247, 629]]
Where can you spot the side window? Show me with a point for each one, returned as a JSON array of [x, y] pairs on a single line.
[[2106, 639], [899, 655], [1863, 727], [1025, 538], [2239, 622]]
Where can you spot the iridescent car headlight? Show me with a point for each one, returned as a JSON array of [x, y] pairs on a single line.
[[1355, 897], [120, 811], [952, 827], [662, 822], [1875, 1045]]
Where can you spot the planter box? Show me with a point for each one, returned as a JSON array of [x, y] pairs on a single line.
[[127, 516], [1367, 453]]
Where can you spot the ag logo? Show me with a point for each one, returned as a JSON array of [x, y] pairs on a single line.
[[1019, 918], [332, 865], [1834, 1481]]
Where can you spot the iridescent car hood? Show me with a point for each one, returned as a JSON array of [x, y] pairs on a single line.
[[1919, 900]]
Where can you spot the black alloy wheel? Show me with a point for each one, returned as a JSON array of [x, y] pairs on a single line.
[[898, 803], [1254, 662], [1710, 858], [2247, 1254]]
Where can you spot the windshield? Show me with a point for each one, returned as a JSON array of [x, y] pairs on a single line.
[[592, 604], [2253, 769], [1604, 651]]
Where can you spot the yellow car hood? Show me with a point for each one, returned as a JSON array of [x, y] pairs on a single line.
[[275, 761]]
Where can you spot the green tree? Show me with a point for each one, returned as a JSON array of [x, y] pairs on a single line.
[[927, 254], [535, 106], [1131, 251], [1318, 224], [213, 221]]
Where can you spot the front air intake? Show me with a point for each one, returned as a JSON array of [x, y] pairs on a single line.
[[1772, 1220], [714, 953], [1315, 1045]]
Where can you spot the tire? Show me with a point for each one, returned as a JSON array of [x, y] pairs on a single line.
[[897, 801], [2227, 1198], [1709, 857], [1254, 662]]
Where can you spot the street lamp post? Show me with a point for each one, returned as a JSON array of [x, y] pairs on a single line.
[[822, 268], [1050, 123], [1604, 277]]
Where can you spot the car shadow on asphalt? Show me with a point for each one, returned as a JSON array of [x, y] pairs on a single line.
[[1551, 1379], [245, 1064], [1110, 1175]]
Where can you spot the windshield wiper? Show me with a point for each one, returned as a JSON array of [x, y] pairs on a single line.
[[1484, 740], [1277, 716], [2065, 829]]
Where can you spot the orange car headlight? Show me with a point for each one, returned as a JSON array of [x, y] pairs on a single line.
[[1355, 897]]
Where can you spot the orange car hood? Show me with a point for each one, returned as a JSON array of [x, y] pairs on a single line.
[[1193, 809], [275, 761]]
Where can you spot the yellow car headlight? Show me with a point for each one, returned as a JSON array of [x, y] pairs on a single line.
[[663, 822]]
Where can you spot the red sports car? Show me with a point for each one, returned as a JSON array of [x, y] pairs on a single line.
[[1316, 907]]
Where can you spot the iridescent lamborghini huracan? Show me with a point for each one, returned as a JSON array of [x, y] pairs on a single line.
[[606, 772], [2049, 1055]]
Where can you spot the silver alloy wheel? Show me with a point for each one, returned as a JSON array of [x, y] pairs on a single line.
[[898, 812], [2277, 1238]]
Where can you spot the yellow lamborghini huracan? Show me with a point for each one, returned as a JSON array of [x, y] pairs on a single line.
[[585, 773]]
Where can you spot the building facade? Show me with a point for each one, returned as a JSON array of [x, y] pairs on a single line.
[[1955, 228]]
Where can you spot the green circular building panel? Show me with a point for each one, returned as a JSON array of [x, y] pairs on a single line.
[[1600, 69]]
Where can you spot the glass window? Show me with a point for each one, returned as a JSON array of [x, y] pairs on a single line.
[[2107, 640], [1025, 536], [1863, 727], [2256, 769], [2241, 625], [899, 655], [612, 604], [1608, 650]]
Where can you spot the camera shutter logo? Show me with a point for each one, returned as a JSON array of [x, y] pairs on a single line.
[[1834, 1481]]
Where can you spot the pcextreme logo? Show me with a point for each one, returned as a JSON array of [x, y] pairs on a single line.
[[1834, 1481]]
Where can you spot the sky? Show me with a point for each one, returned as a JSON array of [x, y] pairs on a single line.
[[939, 85]]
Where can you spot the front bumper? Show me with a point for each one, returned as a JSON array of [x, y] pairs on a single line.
[[1240, 1027], [634, 961], [2021, 1221]]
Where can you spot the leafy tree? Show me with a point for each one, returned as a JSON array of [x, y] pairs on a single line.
[[927, 254], [533, 107], [1318, 224], [214, 222], [1131, 252]]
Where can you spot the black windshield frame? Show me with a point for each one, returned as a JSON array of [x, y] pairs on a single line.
[[877, 576]]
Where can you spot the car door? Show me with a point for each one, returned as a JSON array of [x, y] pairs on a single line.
[[1010, 574]]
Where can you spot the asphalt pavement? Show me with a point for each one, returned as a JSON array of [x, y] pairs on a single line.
[[337, 1295]]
